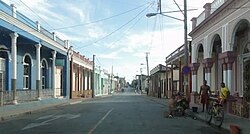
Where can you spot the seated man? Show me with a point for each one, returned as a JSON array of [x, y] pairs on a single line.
[[171, 105]]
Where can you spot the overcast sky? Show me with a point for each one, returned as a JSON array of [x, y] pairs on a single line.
[[116, 31]]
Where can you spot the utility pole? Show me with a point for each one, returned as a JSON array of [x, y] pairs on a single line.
[[159, 5], [140, 81], [93, 78], [147, 63], [111, 77], [186, 56], [147, 72]]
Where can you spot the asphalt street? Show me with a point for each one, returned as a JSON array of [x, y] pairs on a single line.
[[126, 112]]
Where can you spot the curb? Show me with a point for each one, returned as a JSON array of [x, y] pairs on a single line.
[[43, 106]]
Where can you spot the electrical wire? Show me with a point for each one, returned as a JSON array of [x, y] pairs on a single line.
[[127, 30], [115, 29], [178, 7], [100, 20], [36, 14]]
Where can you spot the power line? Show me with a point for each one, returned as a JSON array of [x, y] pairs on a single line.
[[77, 25], [121, 37], [115, 29], [36, 14], [97, 59], [178, 6]]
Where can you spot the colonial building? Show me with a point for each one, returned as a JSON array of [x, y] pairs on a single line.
[[157, 81], [105, 82], [81, 76], [221, 51], [34, 62], [174, 74], [98, 83]]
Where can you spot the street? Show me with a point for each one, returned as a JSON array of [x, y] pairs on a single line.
[[122, 113]]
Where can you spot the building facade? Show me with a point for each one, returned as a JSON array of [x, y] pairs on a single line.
[[221, 51], [175, 75], [33, 61], [157, 83], [105, 82], [81, 75]]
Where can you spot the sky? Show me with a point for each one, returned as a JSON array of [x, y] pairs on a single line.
[[116, 31]]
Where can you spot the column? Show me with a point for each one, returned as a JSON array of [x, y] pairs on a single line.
[[224, 79], [54, 73], [209, 83], [180, 77], [194, 68], [83, 69], [38, 70], [228, 59], [208, 64], [204, 68], [171, 82], [229, 77], [14, 64], [87, 76], [79, 80], [71, 77]]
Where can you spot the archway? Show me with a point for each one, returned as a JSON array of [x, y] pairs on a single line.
[[27, 63], [201, 70], [241, 45], [217, 69]]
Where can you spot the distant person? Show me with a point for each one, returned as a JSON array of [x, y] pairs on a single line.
[[204, 95]]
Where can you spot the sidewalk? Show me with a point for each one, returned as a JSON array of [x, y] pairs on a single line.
[[243, 123], [9, 111]]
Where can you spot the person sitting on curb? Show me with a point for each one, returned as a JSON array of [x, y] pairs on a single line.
[[171, 105]]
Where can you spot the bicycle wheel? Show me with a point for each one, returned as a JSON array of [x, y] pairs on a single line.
[[208, 114], [219, 116]]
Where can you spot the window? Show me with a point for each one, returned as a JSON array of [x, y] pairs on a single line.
[[43, 74], [26, 76], [26, 72]]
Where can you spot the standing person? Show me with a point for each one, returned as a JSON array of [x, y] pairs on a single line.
[[204, 94]]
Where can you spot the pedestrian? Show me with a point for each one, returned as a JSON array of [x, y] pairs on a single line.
[[204, 95]]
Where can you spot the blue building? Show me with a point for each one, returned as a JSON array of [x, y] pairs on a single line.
[[33, 61]]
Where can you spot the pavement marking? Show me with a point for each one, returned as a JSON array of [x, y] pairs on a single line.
[[100, 121], [50, 118], [45, 117], [75, 102]]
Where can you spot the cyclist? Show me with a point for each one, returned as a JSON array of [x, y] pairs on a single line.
[[224, 93]]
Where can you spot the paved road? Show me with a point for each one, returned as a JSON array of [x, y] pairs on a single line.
[[123, 113]]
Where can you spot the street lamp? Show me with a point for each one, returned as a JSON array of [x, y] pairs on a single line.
[[154, 14], [185, 35]]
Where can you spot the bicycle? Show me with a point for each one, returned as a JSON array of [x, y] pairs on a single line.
[[215, 111]]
